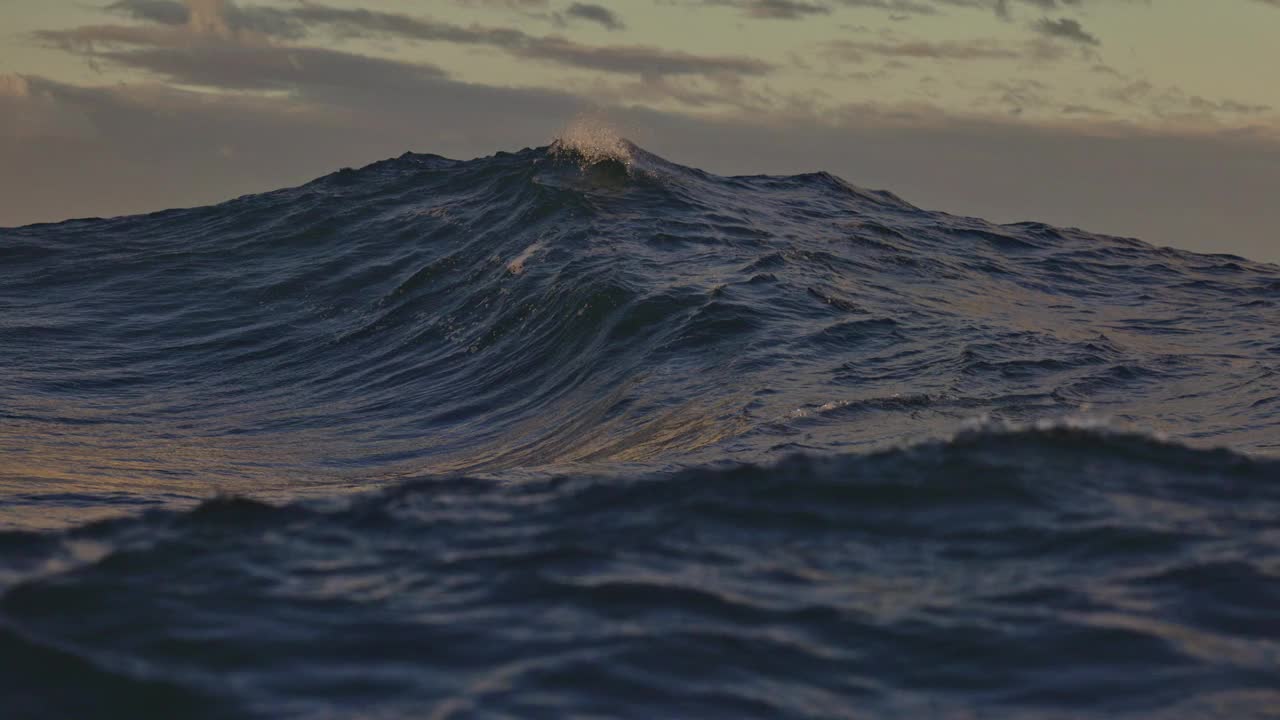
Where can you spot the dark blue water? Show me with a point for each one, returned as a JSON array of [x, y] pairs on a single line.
[[580, 432]]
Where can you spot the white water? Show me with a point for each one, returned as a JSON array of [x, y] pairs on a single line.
[[592, 139]]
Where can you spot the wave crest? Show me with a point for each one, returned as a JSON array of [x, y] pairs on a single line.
[[592, 140]]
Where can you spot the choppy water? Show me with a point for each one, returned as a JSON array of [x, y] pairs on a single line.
[[577, 431]]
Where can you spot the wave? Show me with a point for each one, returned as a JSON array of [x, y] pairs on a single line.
[[577, 430], [553, 306], [1004, 571]]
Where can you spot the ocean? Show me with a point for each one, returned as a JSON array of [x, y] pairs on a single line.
[[577, 431]]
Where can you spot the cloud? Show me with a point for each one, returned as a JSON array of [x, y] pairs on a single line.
[[796, 9], [900, 7], [223, 19], [1002, 8], [903, 9], [1019, 95], [1079, 109], [1227, 106], [273, 68], [306, 71], [774, 9], [598, 14], [628, 59], [164, 12], [1172, 103], [14, 86], [518, 5], [858, 50], [28, 112], [1065, 29], [640, 60]]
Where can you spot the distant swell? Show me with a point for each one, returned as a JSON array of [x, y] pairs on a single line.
[[578, 431]]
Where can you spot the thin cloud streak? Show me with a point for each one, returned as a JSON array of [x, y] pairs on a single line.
[[1066, 29], [225, 19], [598, 14]]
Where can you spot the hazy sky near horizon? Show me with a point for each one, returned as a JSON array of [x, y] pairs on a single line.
[[1154, 118]]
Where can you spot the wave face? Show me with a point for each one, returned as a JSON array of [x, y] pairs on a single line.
[[580, 431]]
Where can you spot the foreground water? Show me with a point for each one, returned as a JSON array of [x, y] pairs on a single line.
[[577, 431]]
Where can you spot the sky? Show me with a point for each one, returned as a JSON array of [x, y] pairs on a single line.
[[1158, 119]]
